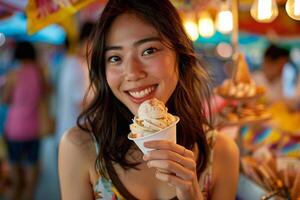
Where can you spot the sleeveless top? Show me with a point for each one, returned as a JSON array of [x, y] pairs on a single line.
[[113, 188], [22, 122]]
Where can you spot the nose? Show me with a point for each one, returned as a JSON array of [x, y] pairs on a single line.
[[134, 69]]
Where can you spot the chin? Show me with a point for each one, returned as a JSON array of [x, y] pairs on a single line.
[[133, 108], [134, 111]]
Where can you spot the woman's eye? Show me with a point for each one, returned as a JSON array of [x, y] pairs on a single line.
[[114, 59], [149, 51]]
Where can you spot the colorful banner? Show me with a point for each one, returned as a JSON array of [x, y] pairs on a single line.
[[41, 13]]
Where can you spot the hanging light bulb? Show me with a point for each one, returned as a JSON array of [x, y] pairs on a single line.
[[292, 8], [191, 29], [224, 20], [264, 11], [206, 25]]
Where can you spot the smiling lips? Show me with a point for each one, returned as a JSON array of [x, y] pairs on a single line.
[[141, 93]]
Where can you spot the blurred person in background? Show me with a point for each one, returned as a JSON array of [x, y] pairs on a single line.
[[24, 90], [277, 60], [72, 83], [291, 85]]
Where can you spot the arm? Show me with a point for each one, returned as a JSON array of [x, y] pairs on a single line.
[[8, 87], [74, 166], [226, 168]]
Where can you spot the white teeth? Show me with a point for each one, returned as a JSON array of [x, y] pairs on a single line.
[[142, 93]]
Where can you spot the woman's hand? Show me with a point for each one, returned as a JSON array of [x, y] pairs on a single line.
[[176, 165]]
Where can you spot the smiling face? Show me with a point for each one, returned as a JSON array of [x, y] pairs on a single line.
[[139, 65]]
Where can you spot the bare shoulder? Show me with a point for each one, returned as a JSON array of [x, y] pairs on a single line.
[[78, 144], [225, 167], [76, 161], [77, 137], [225, 147]]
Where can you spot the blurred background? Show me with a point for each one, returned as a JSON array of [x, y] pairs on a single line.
[[51, 35]]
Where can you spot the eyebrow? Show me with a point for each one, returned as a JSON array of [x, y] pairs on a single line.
[[137, 43]]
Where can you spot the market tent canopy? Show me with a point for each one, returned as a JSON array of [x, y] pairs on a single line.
[[15, 26], [282, 27]]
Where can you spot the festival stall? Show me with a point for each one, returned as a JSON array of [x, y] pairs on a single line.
[[268, 135]]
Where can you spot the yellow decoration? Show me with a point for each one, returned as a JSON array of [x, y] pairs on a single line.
[[53, 11], [273, 138], [71, 27], [284, 119]]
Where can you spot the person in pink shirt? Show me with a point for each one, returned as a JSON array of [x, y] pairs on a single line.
[[24, 91]]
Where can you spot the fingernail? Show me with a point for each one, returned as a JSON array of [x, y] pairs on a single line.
[[145, 157]]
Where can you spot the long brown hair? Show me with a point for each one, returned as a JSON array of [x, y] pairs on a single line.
[[108, 119]]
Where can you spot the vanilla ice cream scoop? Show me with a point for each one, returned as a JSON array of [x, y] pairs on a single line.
[[153, 109], [152, 117]]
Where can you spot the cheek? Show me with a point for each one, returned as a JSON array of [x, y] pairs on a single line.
[[166, 67], [170, 71], [113, 78]]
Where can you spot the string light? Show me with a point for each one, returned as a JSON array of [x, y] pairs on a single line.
[[224, 20], [206, 25], [191, 30], [292, 8], [264, 11]]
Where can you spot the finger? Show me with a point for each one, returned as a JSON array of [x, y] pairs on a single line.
[[172, 167], [172, 156], [166, 145], [174, 181]]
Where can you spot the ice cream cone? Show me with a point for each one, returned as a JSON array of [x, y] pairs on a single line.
[[167, 134]]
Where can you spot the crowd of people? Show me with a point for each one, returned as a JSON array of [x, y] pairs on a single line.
[[33, 106], [135, 51]]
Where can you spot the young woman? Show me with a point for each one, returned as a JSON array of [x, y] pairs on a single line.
[[140, 51]]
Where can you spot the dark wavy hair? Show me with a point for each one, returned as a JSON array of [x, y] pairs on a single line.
[[108, 119], [275, 52]]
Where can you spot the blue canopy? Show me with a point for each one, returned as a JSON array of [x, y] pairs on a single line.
[[15, 27]]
